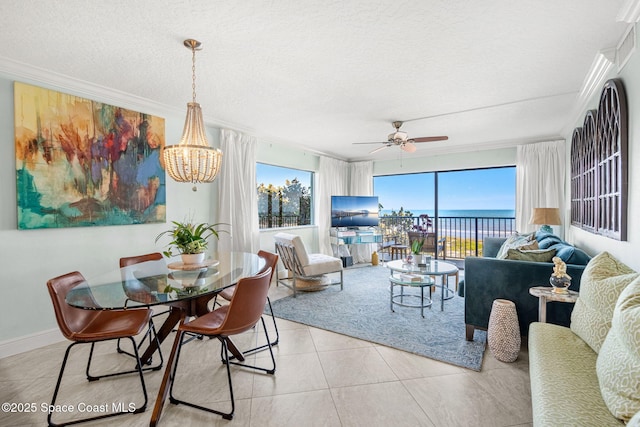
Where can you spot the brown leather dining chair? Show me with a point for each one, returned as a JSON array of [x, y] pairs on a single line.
[[142, 293], [91, 326], [241, 314], [271, 261]]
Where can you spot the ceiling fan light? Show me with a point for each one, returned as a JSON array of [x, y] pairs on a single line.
[[408, 147], [398, 136], [401, 139]]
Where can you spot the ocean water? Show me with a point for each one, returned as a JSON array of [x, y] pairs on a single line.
[[460, 213], [464, 222]]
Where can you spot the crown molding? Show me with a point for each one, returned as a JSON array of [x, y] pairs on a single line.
[[629, 12], [39, 76], [600, 68]]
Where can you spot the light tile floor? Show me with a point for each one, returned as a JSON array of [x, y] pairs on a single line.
[[322, 379]]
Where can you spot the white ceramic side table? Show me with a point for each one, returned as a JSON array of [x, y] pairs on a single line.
[[545, 294]]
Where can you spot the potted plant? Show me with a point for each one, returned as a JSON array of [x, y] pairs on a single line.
[[416, 249], [189, 239]]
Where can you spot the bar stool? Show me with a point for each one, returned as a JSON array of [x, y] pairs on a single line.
[[398, 251]]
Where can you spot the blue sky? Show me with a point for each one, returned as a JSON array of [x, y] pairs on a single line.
[[473, 189], [276, 175]]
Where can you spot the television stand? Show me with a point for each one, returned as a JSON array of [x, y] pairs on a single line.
[[341, 239]]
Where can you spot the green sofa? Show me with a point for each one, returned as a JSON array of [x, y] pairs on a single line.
[[487, 278], [586, 375], [564, 383]]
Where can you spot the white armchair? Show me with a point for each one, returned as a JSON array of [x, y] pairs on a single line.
[[302, 265]]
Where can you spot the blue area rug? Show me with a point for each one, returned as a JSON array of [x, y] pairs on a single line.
[[362, 311]]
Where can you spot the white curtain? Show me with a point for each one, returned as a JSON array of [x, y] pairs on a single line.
[[361, 184], [238, 205], [540, 180], [332, 180]]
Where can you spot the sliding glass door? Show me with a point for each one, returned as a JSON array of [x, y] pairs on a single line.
[[461, 206]]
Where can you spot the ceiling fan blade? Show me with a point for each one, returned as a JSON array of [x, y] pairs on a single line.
[[408, 147], [378, 142], [430, 139], [379, 148]]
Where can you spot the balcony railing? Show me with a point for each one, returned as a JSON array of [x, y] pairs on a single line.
[[464, 235], [276, 221]]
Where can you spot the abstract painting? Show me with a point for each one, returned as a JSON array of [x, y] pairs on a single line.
[[84, 163]]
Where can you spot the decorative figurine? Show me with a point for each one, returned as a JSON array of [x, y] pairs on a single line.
[[559, 279]]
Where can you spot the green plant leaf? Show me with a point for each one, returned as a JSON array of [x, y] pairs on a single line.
[[188, 238]]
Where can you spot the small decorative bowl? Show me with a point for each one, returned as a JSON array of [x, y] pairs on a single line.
[[560, 284]]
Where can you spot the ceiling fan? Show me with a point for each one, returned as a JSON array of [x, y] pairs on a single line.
[[402, 140]]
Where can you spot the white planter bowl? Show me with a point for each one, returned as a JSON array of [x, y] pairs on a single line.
[[193, 258]]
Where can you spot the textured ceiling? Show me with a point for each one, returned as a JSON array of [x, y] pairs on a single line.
[[325, 74]]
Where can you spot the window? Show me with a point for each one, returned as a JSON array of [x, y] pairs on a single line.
[[484, 192], [285, 196], [469, 204]]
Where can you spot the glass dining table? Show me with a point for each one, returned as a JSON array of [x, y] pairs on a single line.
[[186, 289]]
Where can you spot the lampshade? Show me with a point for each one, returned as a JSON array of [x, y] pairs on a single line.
[[545, 216], [192, 159]]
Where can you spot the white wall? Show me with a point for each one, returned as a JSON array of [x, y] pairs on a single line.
[[446, 162], [628, 251], [30, 257]]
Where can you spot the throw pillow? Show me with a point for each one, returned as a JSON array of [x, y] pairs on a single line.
[[579, 257], [539, 235], [603, 280], [563, 251], [549, 241], [571, 254], [618, 364], [541, 255], [530, 247], [514, 241]]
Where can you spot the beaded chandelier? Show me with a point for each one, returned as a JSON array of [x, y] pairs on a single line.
[[192, 159]]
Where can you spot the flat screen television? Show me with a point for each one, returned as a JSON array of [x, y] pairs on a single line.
[[354, 211]]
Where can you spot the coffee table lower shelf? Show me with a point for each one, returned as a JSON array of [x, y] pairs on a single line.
[[398, 298]]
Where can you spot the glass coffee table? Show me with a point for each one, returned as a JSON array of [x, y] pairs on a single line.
[[404, 274], [415, 281]]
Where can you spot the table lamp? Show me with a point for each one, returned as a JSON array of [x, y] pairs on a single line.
[[545, 217]]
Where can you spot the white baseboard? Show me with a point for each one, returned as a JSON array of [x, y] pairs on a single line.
[[29, 342]]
